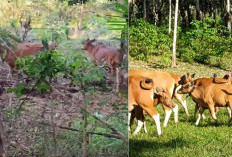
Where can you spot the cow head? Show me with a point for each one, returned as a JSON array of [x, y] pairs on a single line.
[[186, 79], [88, 44], [186, 88], [165, 97]]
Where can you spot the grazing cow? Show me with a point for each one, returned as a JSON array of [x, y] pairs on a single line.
[[141, 97], [22, 50], [205, 82], [169, 83], [209, 96]]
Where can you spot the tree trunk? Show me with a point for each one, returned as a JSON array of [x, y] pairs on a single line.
[[2, 150], [174, 36], [79, 24], [228, 17], [170, 17], [144, 10], [198, 10]]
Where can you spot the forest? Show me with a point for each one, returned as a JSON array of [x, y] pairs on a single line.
[[180, 38], [203, 31], [56, 99]]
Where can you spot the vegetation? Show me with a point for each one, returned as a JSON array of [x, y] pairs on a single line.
[[183, 138], [203, 40], [59, 103]]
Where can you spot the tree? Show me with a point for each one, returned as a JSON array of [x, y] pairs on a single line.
[[174, 36], [170, 16], [228, 17]]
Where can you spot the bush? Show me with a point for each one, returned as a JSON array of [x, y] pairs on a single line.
[[146, 39]]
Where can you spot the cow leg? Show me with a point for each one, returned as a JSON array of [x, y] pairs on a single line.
[[117, 79], [154, 115], [195, 111], [230, 107], [212, 112], [141, 119], [168, 112], [183, 102], [229, 111], [130, 109], [175, 110], [201, 110]]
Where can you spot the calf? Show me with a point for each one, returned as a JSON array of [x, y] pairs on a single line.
[[141, 97], [209, 97], [22, 50]]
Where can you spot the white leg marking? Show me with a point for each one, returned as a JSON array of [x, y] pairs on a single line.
[[185, 107], [229, 111], [140, 125], [214, 116], [157, 122], [203, 116], [198, 119], [144, 127], [175, 110], [167, 116]]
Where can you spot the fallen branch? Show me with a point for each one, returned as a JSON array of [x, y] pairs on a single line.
[[76, 130]]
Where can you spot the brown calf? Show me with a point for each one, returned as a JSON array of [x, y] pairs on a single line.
[[141, 97], [22, 50], [209, 97], [205, 82]]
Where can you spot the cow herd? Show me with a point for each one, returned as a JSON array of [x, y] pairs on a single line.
[[149, 88]]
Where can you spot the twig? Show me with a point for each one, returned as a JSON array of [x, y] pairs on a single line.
[[76, 130], [20, 106]]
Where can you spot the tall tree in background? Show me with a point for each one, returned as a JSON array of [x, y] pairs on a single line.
[[174, 36], [198, 10], [144, 10], [228, 17], [170, 16]]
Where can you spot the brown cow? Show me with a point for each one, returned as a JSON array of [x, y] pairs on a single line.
[[101, 53], [168, 82], [209, 96], [205, 82], [22, 50], [141, 97]]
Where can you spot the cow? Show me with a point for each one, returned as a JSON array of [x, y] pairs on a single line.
[[208, 97], [101, 53], [205, 82], [142, 93], [169, 83], [22, 50]]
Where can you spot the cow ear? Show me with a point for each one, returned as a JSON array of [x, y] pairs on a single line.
[[187, 74], [156, 91], [193, 75]]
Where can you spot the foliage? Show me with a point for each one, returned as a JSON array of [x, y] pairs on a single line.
[[146, 39], [203, 42]]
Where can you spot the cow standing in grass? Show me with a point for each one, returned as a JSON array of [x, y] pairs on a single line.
[[208, 97], [142, 94], [206, 81]]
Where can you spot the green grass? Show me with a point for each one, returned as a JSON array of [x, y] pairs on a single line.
[[184, 138]]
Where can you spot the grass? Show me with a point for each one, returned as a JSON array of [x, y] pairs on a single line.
[[184, 138]]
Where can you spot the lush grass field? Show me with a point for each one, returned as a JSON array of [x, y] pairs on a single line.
[[183, 139]]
